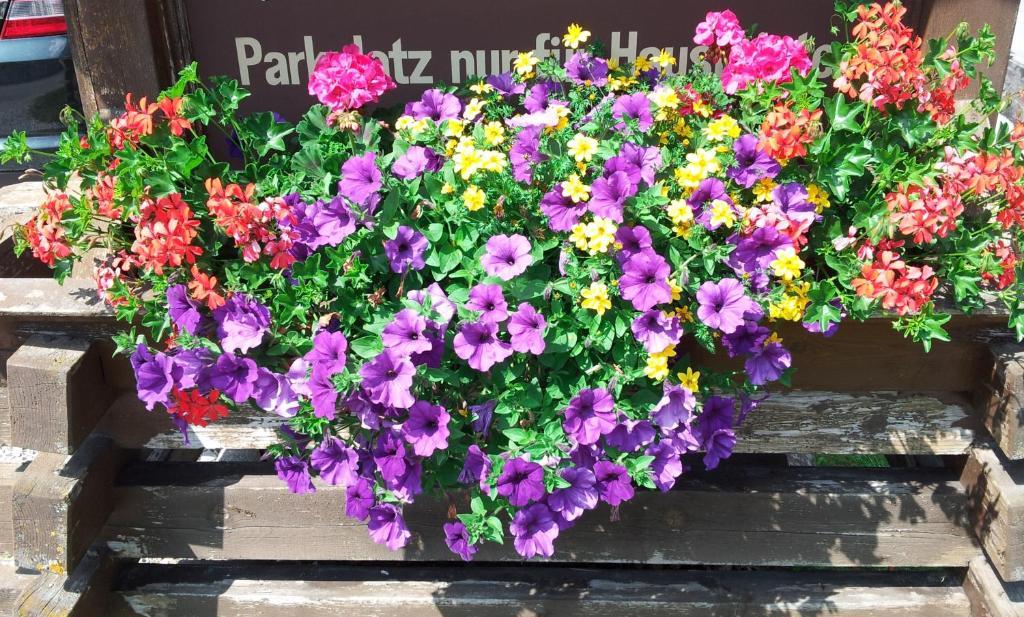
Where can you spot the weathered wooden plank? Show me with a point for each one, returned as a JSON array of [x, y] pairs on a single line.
[[12, 583], [989, 596], [739, 516], [995, 493], [84, 593], [230, 590], [7, 477], [37, 299], [792, 422], [1000, 397], [57, 393], [60, 503]]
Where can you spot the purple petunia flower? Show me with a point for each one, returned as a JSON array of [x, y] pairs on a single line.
[[388, 380], [323, 393], [723, 304], [476, 468], [406, 486], [718, 445], [636, 106], [628, 435], [191, 362], [360, 178], [489, 301], [585, 69], [336, 463], [387, 526], [644, 280], [589, 415], [328, 351], [562, 213], [613, 484], [482, 416], [155, 376], [333, 221], [767, 364], [666, 466], [406, 334], [521, 482], [639, 163], [525, 153], [183, 310], [415, 161], [507, 256], [707, 191], [745, 339], [241, 323], [526, 330], [295, 472], [657, 331], [274, 393], [609, 195], [675, 407], [534, 531], [436, 301], [633, 240], [436, 105], [478, 344], [456, 536], [581, 494], [235, 376], [751, 163], [539, 96], [427, 428], [755, 252], [359, 499], [506, 85], [406, 250]]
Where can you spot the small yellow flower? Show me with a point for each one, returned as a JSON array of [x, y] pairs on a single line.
[[664, 97], [763, 189], [574, 189], [600, 234], [493, 160], [684, 313], [774, 338], [579, 236], [664, 59], [690, 379], [682, 129], [683, 229], [575, 35], [680, 212], [524, 63], [641, 64], [722, 214], [563, 116], [596, 298], [702, 109], [404, 123], [467, 161], [453, 127], [474, 198], [473, 109], [704, 161], [482, 88], [421, 126], [657, 368], [447, 189], [817, 196], [787, 264], [582, 148], [689, 177], [494, 133], [722, 128]]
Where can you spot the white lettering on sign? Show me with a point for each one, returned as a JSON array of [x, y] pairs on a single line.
[[294, 67]]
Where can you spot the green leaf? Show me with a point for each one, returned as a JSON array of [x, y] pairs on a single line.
[[842, 115], [367, 346]]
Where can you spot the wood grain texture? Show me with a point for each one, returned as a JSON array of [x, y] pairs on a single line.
[[989, 596], [8, 474], [84, 593], [995, 493], [1000, 398], [478, 591], [740, 516]]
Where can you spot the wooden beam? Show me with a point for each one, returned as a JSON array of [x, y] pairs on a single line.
[[84, 593], [60, 504], [989, 596], [995, 493], [733, 516], [1000, 398], [57, 393]]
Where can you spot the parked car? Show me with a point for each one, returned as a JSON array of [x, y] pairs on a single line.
[[37, 78]]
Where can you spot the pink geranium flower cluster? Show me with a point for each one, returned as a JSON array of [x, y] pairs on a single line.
[[348, 79]]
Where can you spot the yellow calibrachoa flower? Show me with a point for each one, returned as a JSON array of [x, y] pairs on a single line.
[[453, 127], [722, 128], [702, 109], [773, 338], [563, 116], [596, 298], [704, 161], [420, 126], [689, 177], [467, 161], [657, 364], [793, 303], [601, 234], [493, 160], [641, 65], [722, 213], [474, 198], [403, 123], [682, 129], [494, 133], [817, 196], [482, 88], [690, 379], [677, 291], [447, 189], [582, 148], [665, 99], [664, 59], [524, 63], [574, 189], [473, 109], [684, 313], [680, 212], [575, 35], [763, 189], [787, 264], [579, 236]]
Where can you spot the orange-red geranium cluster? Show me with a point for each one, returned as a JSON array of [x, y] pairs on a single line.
[[902, 288], [137, 120], [249, 223], [164, 233], [785, 135], [44, 232], [922, 213], [196, 408]]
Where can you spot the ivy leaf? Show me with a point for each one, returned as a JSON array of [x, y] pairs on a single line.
[[842, 115]]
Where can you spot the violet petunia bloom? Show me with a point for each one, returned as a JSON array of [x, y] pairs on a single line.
[[456, 536], [183, 310], [657, 331], [295, 472], [561, 211], [633, 240], [609, 195], [191, 362], [156, 375], [505, 85], [590, 414], [387, 526], [746, 339], [406, 250], [359, 499], [534, 531], [406, 334], [755, 252], [581, 494], [476, 469], [436, 105], [390, 456], [634, 106], [644, 280], [483, 414], [718, 446], [525, 153], [415, 161], [539, 96], [333, 221], [235, 376], [336, 462], [675, 407], [434, 354], [241, 323], [427, 428], [613, 484], [521, 482], [640, 163], [751, 163], [507, 256], [722, 304], [586, 69], [767, 364], [323, 395], [406, 486], [628, 435], [478, 344], [526, 330], [274, 393], [328, 351], [706, 192], [436, 301], [388, 380], [489, 301], [360, 178], [666, 466]]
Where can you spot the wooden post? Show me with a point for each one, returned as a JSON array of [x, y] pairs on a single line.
[[995, 495], [84, 593], [1001, 398]]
